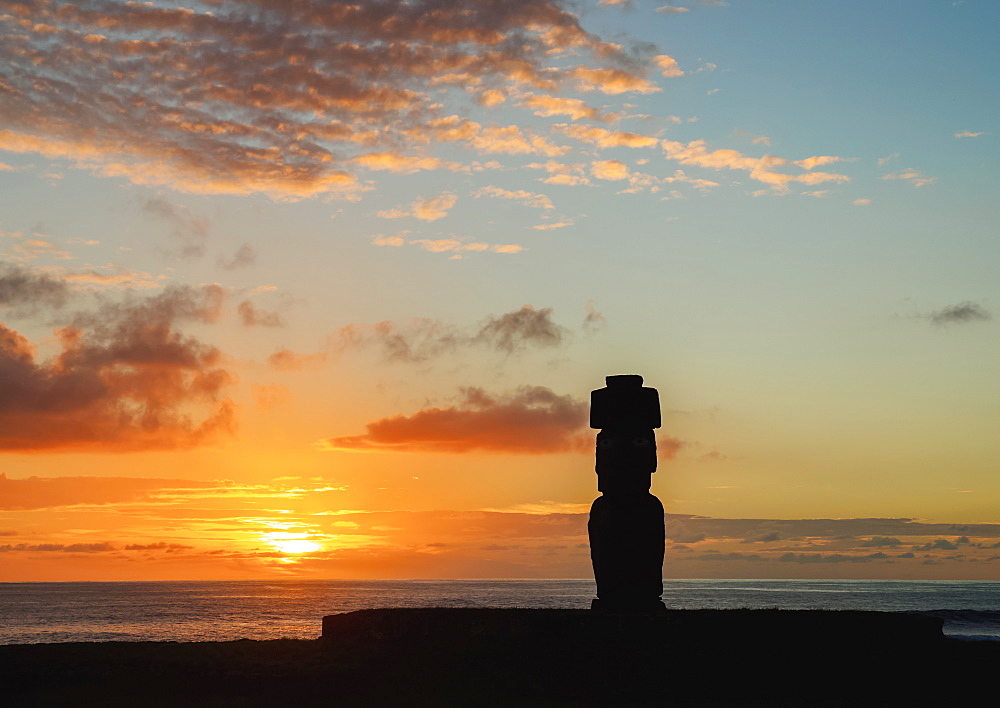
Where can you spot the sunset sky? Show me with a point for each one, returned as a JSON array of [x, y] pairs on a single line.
[[320, 289]]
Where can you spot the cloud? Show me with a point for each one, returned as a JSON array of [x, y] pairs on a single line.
[[881, 542], [567, 175], [553, 225], [672, 10], [188, 233], [612, 81], [667, 66], [430, 209], [25, 291], [957, 314], [250, 316], [512, 140], [126, 379], [58, 547], [811, 162], [528, 199], [244, 257], [758, 168], [831, 558], [30, 247], [514, 331], [531, 420], [543, 105], [607, 138], [280, 98], [158, 546], [287, 360], [51, 492], [862, 202], [421, 340], [912, 176], [609, 170], [968, 134]]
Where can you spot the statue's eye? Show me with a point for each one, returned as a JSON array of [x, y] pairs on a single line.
[[606, 443], [640, 442]]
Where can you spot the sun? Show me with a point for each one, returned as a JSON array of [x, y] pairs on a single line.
[[292, 543]]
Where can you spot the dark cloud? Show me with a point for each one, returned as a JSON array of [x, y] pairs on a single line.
[[421, 340], [252, 317], [766, 538], [939, 544], [126, 379], [244, 257], [957, 314], [685, 528], [531, 420], [515, 330], [718, 556], [830, 558], [881, 542], [25, 291]]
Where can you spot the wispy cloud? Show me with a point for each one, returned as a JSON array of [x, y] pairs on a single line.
[[958, 314], [429, 209], [528, 199], [763, 169], [421, 340], [912, 176]]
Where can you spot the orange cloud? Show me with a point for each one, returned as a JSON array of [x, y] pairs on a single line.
[[607, 138], [667, 66], [44, 493], [612, 81], [430, 209], [512, 140], [759, 168], [543, 105], [533, 420], [912, 176], [124, 380], [609, 169], [529, 199]]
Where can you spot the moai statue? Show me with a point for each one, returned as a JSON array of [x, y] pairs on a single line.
[[626, 521]]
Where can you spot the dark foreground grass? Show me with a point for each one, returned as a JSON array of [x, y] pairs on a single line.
[[526, 658]]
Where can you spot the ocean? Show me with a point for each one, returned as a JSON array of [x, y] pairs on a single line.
[[271, 609]]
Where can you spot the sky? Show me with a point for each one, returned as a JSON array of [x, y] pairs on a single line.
[[304, 288]]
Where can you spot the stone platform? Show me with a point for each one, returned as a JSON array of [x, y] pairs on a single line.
[[816, 630]]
